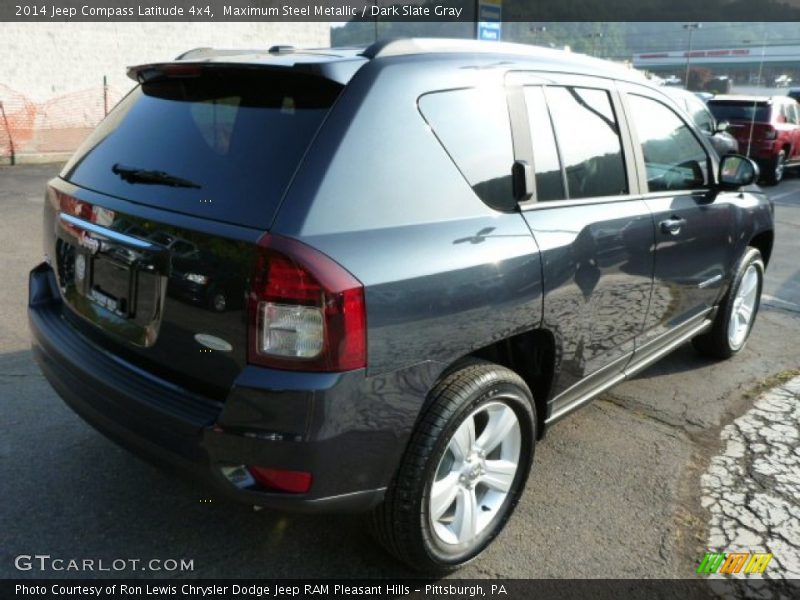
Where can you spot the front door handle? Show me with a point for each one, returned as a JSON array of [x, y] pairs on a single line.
[[672, 226]]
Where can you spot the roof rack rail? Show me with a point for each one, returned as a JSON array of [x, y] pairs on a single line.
[[195, 53], [281, 49], [407, 46]]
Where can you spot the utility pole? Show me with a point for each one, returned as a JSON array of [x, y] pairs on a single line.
[[594, 37], [690, 27], [536, 30]]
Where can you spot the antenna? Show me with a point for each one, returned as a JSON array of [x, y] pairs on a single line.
[[755, 100]]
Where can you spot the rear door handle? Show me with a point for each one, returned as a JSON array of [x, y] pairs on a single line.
[[672, 226]]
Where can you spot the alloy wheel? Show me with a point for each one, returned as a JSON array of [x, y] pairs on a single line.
[[475, 474], [744, 306]]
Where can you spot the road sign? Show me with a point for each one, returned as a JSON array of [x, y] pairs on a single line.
[[490, 14]]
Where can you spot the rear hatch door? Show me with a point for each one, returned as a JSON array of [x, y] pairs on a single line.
[[156, 218], [746, 118]]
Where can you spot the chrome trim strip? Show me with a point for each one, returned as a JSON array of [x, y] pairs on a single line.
[[585, 398], [629, 371], [708, 282], [109, 234], [653, 357]]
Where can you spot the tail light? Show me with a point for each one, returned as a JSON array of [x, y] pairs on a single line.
[[306, 312], [295, 482]]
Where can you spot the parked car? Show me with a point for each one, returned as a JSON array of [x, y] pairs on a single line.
[[782, 81], [720, 84], [794, 93], [722, 141], [202, 279], [672, 80], [767, 129], [430, 285]]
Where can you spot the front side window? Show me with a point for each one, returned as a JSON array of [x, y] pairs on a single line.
[[473, 127], [673, 157], [588, 138], [701, 116]]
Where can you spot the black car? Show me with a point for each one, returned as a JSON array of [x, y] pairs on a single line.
[[722, 141], [444, 248]]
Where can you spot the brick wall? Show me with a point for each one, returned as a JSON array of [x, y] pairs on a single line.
[[51, 74]]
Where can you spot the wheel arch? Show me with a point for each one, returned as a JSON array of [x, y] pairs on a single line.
[[531, 355], [763, 242]]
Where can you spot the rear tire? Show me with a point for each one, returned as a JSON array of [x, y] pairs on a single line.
[[463, 472], [737, 312], [777, 169]]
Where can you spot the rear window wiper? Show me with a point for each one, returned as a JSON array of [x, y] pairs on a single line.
[[134, 175]]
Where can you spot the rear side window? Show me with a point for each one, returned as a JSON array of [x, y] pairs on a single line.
[[794, 113], [673, 157], [228, 141], [473, 127], [549, 180], [588, 138], [724, 110]]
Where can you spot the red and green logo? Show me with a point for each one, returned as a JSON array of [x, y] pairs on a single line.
[[734, 562]]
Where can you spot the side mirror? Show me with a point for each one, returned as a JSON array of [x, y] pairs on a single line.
[[737, 171], [722, 127]]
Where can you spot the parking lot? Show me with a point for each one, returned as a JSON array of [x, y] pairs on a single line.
[[615, 490]]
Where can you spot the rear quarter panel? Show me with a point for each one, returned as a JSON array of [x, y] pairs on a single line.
[[444, 274]]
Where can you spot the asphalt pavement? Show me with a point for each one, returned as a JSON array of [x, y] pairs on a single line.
[[615, 490]]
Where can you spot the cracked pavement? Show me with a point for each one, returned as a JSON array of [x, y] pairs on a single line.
[[615, 489], [752, 489]]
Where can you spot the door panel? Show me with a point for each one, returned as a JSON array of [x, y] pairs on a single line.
[[597, 265], [594, 234], [693, 229], [692, 258]]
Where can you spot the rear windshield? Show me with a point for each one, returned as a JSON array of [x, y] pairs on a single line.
[[223, 144], [740, 111]]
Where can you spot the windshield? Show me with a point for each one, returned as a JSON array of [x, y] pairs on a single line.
[[222, 145], [740, 111]]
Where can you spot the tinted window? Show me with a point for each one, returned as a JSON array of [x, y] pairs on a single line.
[[549, 182], [700, 114], [473, 127], [236, 136], [588, 137], [726, 110], [794, 113], [674, 159]]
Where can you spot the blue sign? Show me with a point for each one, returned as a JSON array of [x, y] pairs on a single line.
[[490, 14], [489, 31]]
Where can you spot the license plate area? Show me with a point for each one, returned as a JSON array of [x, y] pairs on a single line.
[[112, 285]]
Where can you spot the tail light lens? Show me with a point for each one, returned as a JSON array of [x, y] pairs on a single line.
[[295, 482], [306, 312]]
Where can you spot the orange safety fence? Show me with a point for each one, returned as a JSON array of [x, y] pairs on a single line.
[[56, 125]]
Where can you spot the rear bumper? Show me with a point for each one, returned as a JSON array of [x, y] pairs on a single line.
[[268, 419]]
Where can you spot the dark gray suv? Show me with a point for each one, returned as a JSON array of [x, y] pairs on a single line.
[[430, 251]]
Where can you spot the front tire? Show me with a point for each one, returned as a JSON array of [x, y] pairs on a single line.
[[463, 472], [737, 311]]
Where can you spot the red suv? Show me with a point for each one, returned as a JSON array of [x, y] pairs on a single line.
[[767, 129]]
